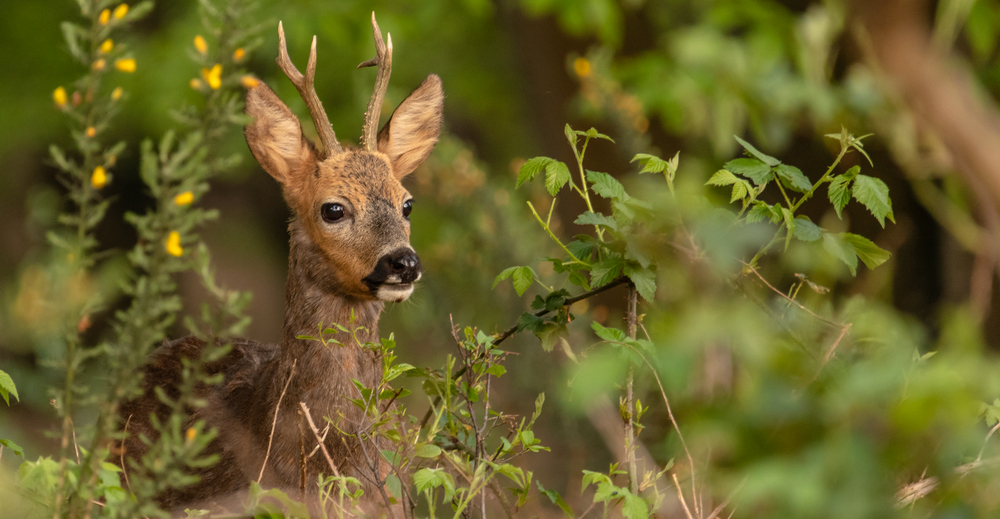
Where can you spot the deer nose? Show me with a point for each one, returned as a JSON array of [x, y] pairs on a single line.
[[405, 263]]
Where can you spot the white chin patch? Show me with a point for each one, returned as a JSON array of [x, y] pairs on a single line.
[[394, 293]]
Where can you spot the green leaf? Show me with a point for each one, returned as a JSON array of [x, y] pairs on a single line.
[[428, 451], [556, 499], [842, 249], [7, 387], [871, 254], [594, 134], [606, 270], [550, 335], [645, 281], [766, 159], [790, 224], [13, 447], [650, 163], [531, 168], [839, 191], [806, 230], [589, 218], [753, 169], [606, 185], [608, 334], [762, 211], [722, 177], [503, 275], [634, 507], [556, 176], [874, 194], [522, 277], [793, 178]]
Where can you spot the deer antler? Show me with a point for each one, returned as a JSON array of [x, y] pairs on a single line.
[[383, 58], [304, 84]]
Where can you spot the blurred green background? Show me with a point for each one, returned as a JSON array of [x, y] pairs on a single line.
[[658, 76]]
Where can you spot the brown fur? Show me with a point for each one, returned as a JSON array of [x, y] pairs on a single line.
[[326, 266]]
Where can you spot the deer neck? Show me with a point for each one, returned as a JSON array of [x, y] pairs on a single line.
[[311, 300]]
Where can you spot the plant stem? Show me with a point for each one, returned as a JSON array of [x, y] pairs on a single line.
[[629, 397], [794, 207], [583, 180], [551, 235]]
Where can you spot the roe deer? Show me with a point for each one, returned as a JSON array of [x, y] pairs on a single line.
[[349, 254]]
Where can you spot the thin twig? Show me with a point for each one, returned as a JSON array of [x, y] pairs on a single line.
[[680, 495], [274, 422], [121, 455], [322, 446], [796, 303], [513, 329]]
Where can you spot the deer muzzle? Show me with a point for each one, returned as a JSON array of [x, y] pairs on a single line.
[[394, 275]]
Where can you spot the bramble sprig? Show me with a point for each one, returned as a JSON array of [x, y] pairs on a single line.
[[749, 176]]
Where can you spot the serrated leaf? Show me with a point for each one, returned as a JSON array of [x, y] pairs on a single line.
[[793, 178], [634, 507], [766, 159], [608, 334], [839, 193], [556, 176], [531, 168], [874, 194], [789, 224], [650, 163], [753, 169], [7, 387], [589, 218], [841, 249], [644, 280], [872, 255], [722, 177], [502, 276], [522, 277], [606, 185], [758, 213], [606, 270], [806, 230], [740, 190], [551, 334]]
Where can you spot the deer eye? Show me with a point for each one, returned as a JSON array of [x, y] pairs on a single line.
[[407, 208], [331, 212]]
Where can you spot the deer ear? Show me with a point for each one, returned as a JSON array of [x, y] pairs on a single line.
[[411, 133], [275, 137]]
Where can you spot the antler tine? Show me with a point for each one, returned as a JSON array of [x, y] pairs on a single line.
[[383, 58], [304, 84]]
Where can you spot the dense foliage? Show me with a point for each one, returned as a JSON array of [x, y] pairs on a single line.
[[698, 333]]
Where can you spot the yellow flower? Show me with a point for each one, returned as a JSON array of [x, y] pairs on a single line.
[[582, 67], [59, 96], [121, 11], [99, 178], [238, 54], [104, 17], [91, 131], [99, 64], [184, 198], [249, 81], [107, 46], [125, 65], [200, 44], [190, 434], [196, 83], [173, 244], [213, 76], [116, 94]]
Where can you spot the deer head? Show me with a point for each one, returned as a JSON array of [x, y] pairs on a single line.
[[350, 210]]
